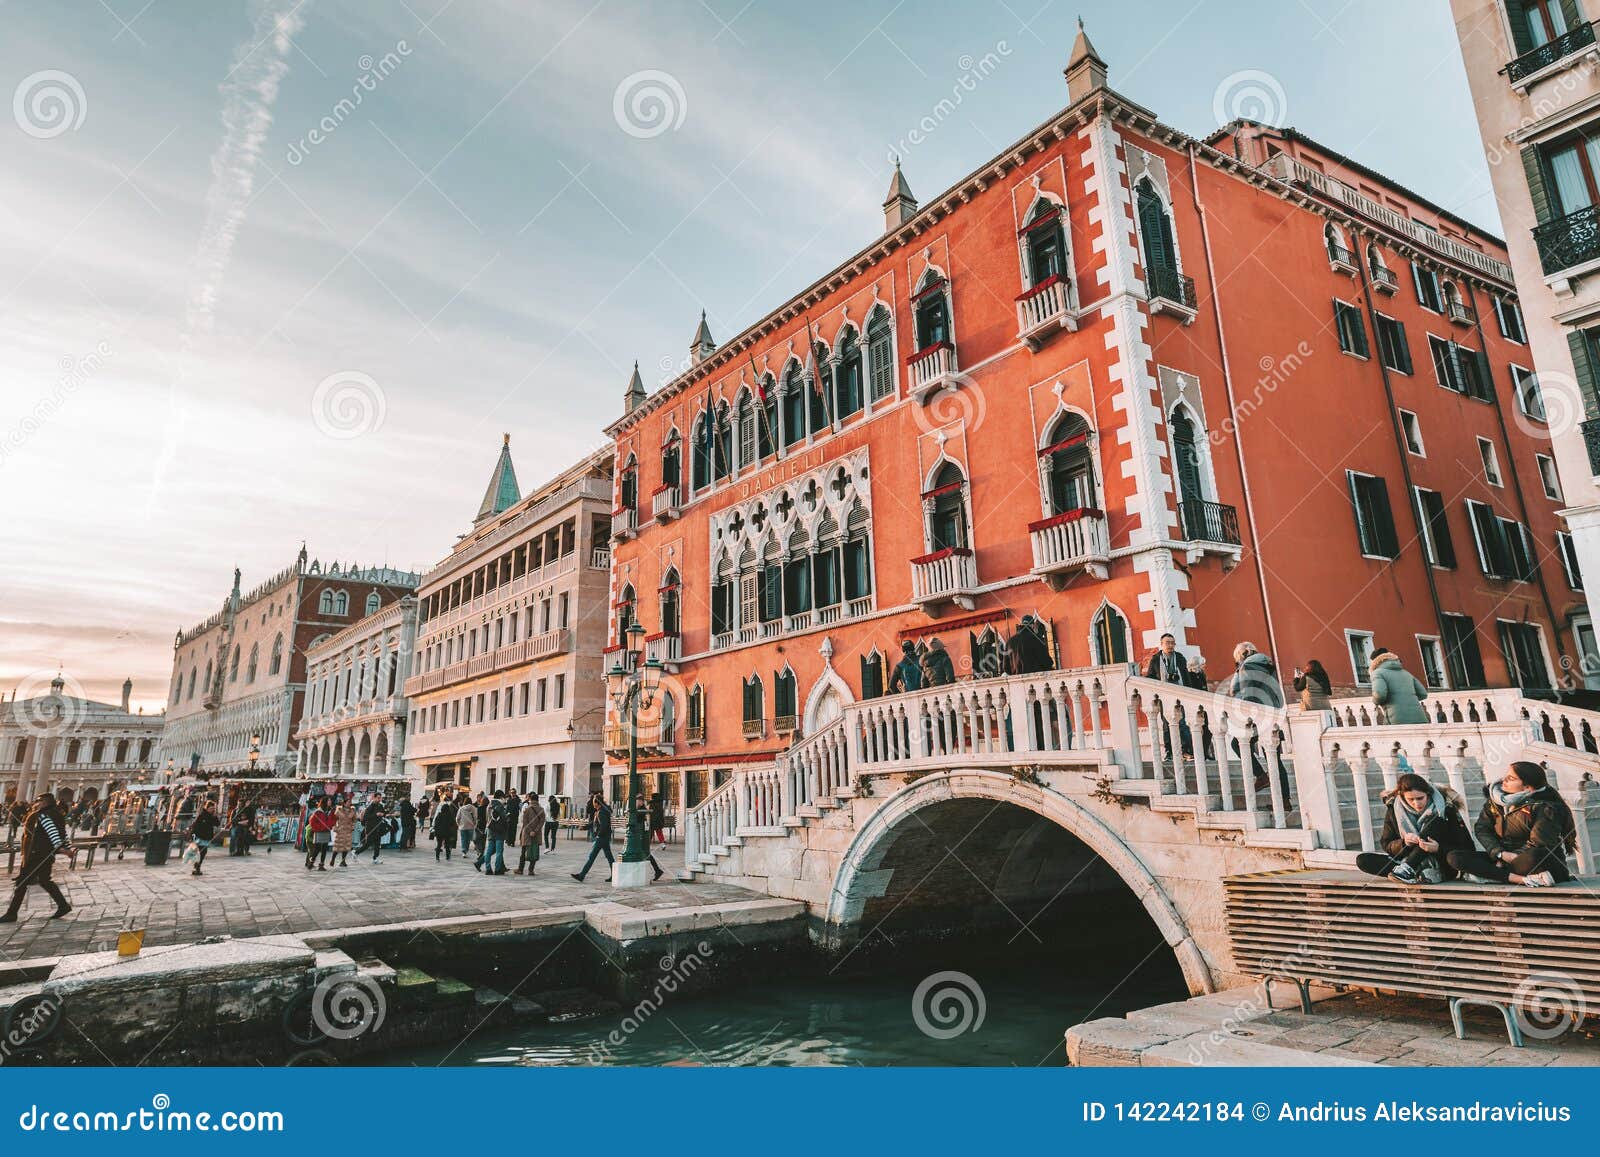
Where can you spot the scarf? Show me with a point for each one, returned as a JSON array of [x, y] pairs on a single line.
[[1410, 821], [1510, 799]]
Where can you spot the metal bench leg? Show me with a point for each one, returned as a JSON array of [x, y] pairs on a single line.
[[1305, 995], [1506, 1011], [1455, 1019], [1513, 1028]]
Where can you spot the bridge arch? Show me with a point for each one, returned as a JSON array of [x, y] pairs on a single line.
[[865, 870]]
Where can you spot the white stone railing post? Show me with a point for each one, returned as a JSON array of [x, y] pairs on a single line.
[[1314, 787], [1363, 799]]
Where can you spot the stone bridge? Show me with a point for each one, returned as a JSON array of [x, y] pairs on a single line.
[[985, 803]]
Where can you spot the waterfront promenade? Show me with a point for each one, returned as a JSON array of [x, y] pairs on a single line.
[[268, 893]]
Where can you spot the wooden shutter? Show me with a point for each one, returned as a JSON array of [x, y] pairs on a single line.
[[749, 593], [1583, 369], [1533, 170]]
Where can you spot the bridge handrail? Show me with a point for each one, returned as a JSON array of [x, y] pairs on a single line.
[[711, 820]]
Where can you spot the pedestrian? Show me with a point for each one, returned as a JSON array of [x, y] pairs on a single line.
[[1029, 652], [1255, 680], [1314, 686], [425, 813], [658, 818], [444, 828], [937, 668], [1167, 665], [408, 823], [599, 833], [202, 831], [552, 822], [493, 852], [466, 822], [644, 822], [481, 832], [530, 833], [319, 837], [513, 811], [1526, 830], [44, 833], [907, 674], [344, 832], [1421, 828], [1395, 689], [374, 826]]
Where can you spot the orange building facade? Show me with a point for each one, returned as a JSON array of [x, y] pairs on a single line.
[[1122, 380]]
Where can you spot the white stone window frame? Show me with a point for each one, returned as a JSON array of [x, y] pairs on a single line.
[[1042, 440], [1363, 675]]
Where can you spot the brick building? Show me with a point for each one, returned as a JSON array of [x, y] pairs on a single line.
[[241, 674], [1119, 378]]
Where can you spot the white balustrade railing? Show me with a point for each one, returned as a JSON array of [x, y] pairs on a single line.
[[932, 369], [710, 822], [665, 502], [943, 574], [1041, 306], [1069, 540]]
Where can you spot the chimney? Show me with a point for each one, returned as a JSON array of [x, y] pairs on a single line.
[[900, 206], [127, 694], [1085, 72]]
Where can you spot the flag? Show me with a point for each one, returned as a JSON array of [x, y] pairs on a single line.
[[816, 374]]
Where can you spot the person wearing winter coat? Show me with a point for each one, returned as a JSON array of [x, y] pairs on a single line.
[[466, 823], [530, 833], [319, 834], [513, 811], [1422, 826], [658, 819], [344, 832], [1526, 830], [1395, 689], [374, 827], [492, 851], [203, 830], [1314, 686], [1029, 652], [937, 669], [552, 822], [599, 834], [1255, 680], [44, 833], [444, 828], [907, 674]]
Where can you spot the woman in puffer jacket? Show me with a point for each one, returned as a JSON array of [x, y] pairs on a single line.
[[1526, 830], [1421, 828], [1396, 690]]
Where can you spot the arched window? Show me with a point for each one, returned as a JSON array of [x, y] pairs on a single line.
[[625, 615], [1068, 466], [821, 390], [325, 603], [767, 434], [1189, 466], [694, 724], [872, 675], [1375, 262], [1160, 250], [671, 453], [668, 717], [754, 706], [97, 751], [945, 507], [785, 700], [880, 355], [988, 654], [122, 751], [276, 664], [825, 564], [794, 406], [701, 452], [847, 377], [628, 484], [771, 581], [722, 444], [797, 574], [144, 752], [255, 659], [191, 683], [748, 421], [206, 687], [1338, 248], [233, 666], [857, 553], [373, 603], [1110, 637], [73, 751], [669, 603], [341, 603], [1045, 243], [722, 597], [932, 311]]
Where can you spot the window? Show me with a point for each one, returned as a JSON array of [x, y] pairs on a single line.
[[1535, 23], [561, 692], [722, 444], [945, 506], [1569, 168], [1436, 543], [671, 459], [722, 599], [1455, 367], [1509, 314], [857, 555], [700, 453], [341, 603], [1338, 248], [794, 406], [695, 715], [847, 377], [1359, 644], [1393, 351], [880, 355], [1044, 244], [748, 422], [785, 699], [233, 667], [1412, 429], [1110, 636], [988, 654], [1491, 462], [1068, 466], [373, 603], [1504, 549], [872, 676], [1159, 249], [932, 310], [625, 615], [1530, 398], [255, 659], [541, 695], [797, 574], [1463, 660], [668, 718], [1569, 559], [1432, 662], [1374, 519], [1352, 332], [1547, 476], [325, 603], [1427, 284], [669, 603], [754, 708], [821, 394], [1523, 649]]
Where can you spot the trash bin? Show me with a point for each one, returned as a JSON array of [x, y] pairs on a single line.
[[157, 847]]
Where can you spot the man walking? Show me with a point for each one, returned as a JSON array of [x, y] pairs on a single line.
[[374, 826], [44, 833], [552, 822], [600, 833], [494, 847], [203, 831], [408, 823], [1169, 666]]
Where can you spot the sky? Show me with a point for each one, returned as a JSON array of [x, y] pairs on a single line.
[[274, 272]]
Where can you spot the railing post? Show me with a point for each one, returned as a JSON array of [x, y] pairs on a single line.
[[1358, 779], [1314, 787], [786, 791]]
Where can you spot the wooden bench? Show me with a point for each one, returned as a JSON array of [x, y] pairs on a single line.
[[1512, 949]]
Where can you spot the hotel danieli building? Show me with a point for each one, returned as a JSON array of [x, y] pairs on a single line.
[[1124, 379]]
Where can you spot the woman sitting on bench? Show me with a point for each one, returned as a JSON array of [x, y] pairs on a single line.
[[1526, 830], [1422, 827]]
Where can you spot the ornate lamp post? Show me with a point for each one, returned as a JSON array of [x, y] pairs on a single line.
[[633, 685], [255, 752]]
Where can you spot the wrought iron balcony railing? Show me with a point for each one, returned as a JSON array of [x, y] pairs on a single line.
[[1591, 439], [1209, 522], [1549, 52], [1172, 287], [1569, 241]]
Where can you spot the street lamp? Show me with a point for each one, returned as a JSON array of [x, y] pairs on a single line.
[[255, 752], [633, 685]]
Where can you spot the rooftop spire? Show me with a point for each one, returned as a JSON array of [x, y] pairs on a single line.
[[502, 492], [634, 395], [1085, 72], [900, 205], [702, 347]]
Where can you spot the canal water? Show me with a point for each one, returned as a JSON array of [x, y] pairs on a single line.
[[998, 1011]]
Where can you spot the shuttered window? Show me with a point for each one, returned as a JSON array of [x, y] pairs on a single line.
[[1461, 655], [1374, 518], [1435, 525], [1393, 350], [1352, 331]]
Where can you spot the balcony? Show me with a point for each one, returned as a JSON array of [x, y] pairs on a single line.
[[1384, 279], [1570, 241], [1069, 543], [666, 648], [624, 523], [1044, 310], [755, 728], [932, 369], [945, 576], [1341, 260], [785, 724], [651, 741], [1460, 313], [1173, 293], [694, 732], [1530, 64], [1210, 528], [667, 502], [1591, 439], [600, 558]]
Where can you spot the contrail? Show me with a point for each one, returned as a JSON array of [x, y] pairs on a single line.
[[248, 93]]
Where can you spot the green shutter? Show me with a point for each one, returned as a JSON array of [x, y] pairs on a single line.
[[1583, 371], [1572, 13], [1533, 169]]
